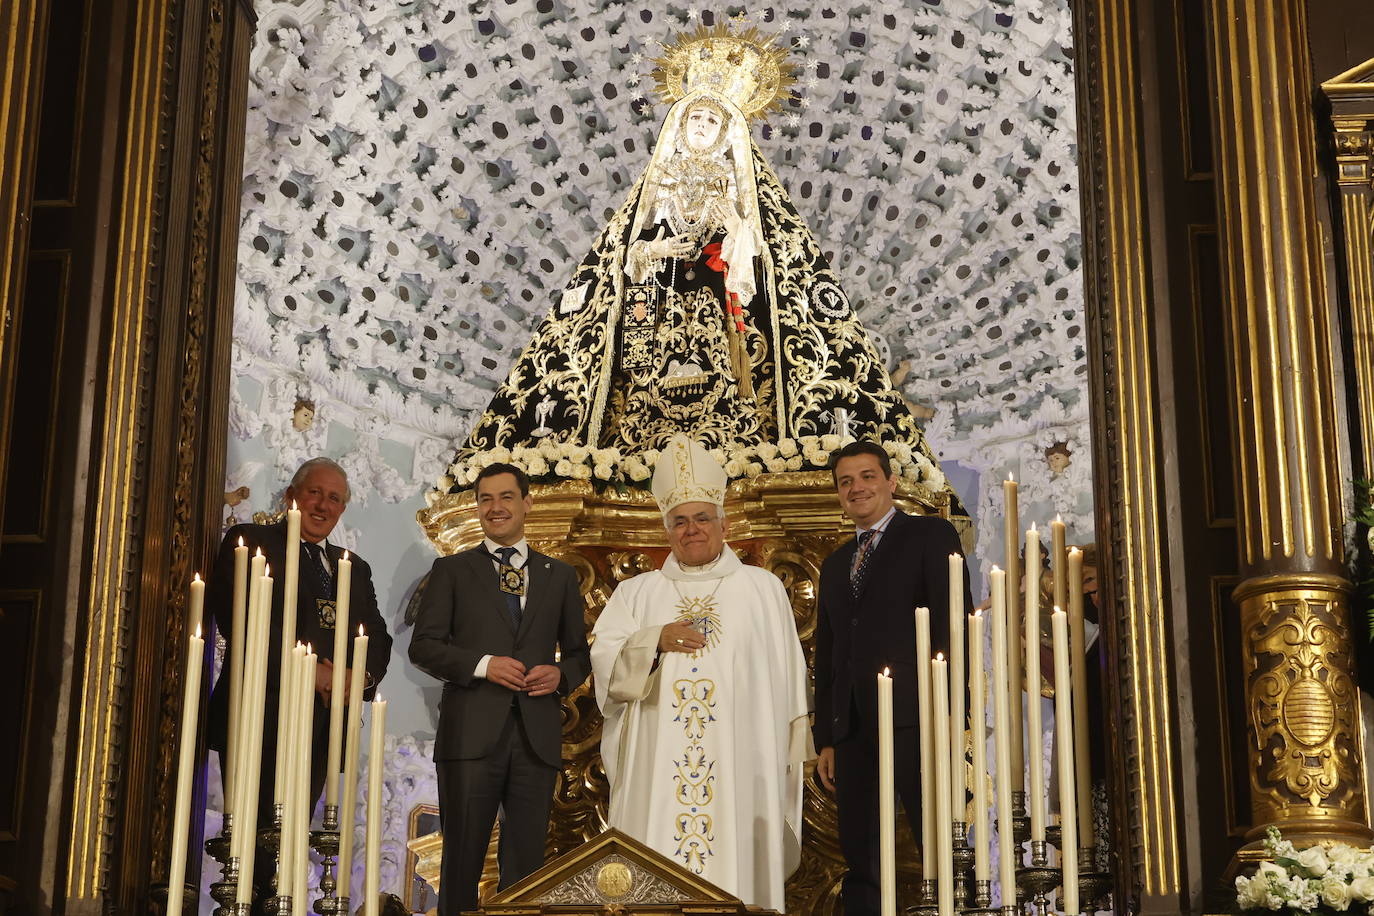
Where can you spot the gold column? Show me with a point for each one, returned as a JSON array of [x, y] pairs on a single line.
[[1301, 705], [1352, 116]]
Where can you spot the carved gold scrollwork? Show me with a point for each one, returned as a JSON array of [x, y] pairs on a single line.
[[1303, 705]]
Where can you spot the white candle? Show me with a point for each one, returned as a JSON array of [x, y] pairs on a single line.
[[977, 725], [939, 676], [925, 727], [237, 635], [1011, 528], [245, 833], [1060, 584], [289, 710], [376, 763], [1002, 735], [336, 689], [1063, 719], [1034, 737], [1078, 660], [290, 591], [304, 802], [887, 799], [349, 803], [958, 787], [190, 716]]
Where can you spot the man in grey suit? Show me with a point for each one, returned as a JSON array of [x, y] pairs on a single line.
[[501, 625]]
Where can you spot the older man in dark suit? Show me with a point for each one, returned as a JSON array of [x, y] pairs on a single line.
[[501, 625], [870, 588], [320, 490]]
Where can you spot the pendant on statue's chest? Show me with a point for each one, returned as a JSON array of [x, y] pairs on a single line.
[[690, 275], [328, 612], [512, 580]]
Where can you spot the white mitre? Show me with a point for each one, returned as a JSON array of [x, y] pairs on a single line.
[[686, 473]]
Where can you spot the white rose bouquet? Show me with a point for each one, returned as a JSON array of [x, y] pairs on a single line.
[[1329, 878]]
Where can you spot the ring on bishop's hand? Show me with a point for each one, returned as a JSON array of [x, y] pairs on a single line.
[[679, 642]]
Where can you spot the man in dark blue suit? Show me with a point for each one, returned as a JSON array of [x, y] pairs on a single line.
[[320, 490], [501, 625], [870, 588]]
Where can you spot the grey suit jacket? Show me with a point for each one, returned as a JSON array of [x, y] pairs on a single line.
[[463, 616]]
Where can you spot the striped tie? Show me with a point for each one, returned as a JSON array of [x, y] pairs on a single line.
[[861, 555]]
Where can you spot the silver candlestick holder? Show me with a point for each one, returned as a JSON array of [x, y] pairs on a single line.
[[1037, 879], [1094, 887], [278, 902], [929, 904], [1020, 822], [325, 841], [980, 903], [226, 890], [963, 867]]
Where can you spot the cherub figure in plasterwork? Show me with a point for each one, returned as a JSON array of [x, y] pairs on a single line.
[[295, 428], [705, 306]]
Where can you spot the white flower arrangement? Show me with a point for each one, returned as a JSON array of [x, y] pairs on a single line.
[[1331, 877], [550, 462]]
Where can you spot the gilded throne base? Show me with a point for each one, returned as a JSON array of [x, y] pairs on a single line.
[[785, 523]]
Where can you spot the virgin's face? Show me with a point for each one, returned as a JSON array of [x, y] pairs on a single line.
[[702, 127]]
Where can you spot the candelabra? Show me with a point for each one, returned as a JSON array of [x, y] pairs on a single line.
[[930, 898], [1054, 835], [325, 841], [1094, 887], [1020, 822], [963, 866], [269, 840], [224, 891], [1037, 879]]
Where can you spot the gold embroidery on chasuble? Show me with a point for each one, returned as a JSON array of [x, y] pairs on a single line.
[[694, 702]]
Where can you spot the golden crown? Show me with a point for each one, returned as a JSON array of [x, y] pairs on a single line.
[[742, 65]]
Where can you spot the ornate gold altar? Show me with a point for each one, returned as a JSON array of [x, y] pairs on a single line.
[[785, 523]]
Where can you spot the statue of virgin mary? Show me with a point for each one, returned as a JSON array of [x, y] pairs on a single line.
[[705, 306]]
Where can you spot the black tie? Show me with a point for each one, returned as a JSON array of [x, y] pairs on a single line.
[[506, 554], [856, 575], [321, 566]]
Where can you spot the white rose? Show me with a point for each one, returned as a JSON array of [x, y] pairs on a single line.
[[537, 466], [650, 458], [638, 470], [602, 471], [1362, 889], [767, 450], [815, 457], [902, 452], [551, 450], [830, 442], [787, 447], [1250, 892], [577, 453], [606, 455], [445, 483], [776, 465], [734, 468], [806, 442], [432, 496], [470, 475], [1335, 892], [1342, 854], [500, 453], [581, 472], [753, 469], [717, 455], [564, 468], [455, 469], [794, 463], [1313, 859]]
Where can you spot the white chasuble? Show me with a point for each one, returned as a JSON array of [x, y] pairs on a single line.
[[704, 751]]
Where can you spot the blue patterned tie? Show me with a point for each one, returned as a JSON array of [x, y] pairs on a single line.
[[507, 554], [856, 573], [321, 566]]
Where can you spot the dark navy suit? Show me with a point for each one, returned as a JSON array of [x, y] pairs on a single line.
[[856, 638]]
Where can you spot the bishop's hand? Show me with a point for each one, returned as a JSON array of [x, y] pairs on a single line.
[[679, 637]]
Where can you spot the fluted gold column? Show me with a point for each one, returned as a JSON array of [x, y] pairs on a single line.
[[1301, 704]]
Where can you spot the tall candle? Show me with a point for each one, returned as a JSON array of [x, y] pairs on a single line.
[[977, 725], [245, 832], [349, 803], [1058, 559], [927, 750], [305, 730], [1063, 719], [887, 799], [186, 763], [237, 748], [1002, 738], [1034, 738], [237, 634], [1078, 662], [290, 590], [939, 676], [289, 711], [1011, 530], [958, 795], [376, 763], [344, 577]]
